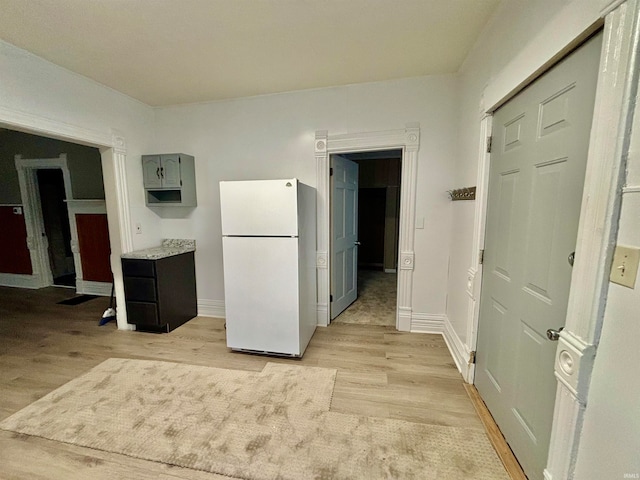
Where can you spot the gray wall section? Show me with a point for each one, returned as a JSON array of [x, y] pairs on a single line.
[[84, 164]]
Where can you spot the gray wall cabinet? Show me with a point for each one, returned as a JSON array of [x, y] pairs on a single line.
[[169, 180]]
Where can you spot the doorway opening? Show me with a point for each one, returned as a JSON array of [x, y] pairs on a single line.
[[55, 217], [365, 223], [59, 205]]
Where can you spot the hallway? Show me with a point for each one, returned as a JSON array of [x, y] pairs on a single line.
[[376, 302]]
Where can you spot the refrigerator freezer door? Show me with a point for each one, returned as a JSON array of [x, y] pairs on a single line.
[[261, 294], [259, 208]]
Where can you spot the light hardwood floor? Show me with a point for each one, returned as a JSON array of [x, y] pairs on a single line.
[[381, 372]]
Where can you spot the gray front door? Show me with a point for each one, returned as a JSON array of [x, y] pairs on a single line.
[[538, 160]]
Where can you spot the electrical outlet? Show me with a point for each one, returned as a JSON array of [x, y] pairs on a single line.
[[138, 228], [625, 266]]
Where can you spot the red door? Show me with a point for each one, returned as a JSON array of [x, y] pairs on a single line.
[[95, 251]]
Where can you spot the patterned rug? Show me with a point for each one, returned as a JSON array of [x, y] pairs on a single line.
[[274, 424], [376, 302]]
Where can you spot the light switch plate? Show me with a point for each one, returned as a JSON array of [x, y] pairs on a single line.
[[624, 269]]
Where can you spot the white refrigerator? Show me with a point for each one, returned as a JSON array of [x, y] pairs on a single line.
[[269, 253]]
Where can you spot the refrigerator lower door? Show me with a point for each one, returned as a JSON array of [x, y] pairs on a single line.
[[261, 294]]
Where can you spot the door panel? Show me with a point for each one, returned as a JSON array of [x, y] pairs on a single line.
[[14, 253], [95, 250], [536, 178], [261, 289], [170, 171], [273, 212], [151, 171], [344, 234]]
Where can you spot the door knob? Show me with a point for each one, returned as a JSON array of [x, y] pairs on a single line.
[[357, 243], [572, 257], [554, 335]]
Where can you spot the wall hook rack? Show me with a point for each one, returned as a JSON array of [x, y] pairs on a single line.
[[466, 193]]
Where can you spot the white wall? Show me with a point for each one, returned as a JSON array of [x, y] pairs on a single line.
[[273, 136], [521, 37], [35, 91], [610, 445]]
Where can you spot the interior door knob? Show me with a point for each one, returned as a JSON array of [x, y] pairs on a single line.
[[554, 335], [357, 243]]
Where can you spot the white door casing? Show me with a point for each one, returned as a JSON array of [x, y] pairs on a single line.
[[609, 146], [344, 234], [408, 140], [37, 241], [539, 155]]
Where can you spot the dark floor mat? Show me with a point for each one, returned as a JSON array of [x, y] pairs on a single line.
[[65, 280], [77, 300]]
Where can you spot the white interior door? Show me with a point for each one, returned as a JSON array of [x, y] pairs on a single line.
[[538, 160], [344, 234]]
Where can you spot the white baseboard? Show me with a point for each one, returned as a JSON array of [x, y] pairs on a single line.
[[211, 308], [19, 280], [427, 323], [322, 313], [404, 319], [87, 287], [440, 324], [459, 350]]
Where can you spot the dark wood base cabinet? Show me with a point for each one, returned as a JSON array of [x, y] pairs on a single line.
[[160, 294]]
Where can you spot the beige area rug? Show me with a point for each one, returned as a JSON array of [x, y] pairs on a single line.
[[376, 302], [274, 424]]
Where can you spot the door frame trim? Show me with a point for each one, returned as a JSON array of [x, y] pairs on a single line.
[[407, 139], [608, 147], [33, 218]]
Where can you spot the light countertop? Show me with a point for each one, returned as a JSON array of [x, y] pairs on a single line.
[[169, 247]]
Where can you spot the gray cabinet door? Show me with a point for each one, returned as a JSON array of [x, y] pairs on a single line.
[[170, 171], [151, 171]]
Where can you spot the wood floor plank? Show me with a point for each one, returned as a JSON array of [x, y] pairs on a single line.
[[381, 372], [496, 438]]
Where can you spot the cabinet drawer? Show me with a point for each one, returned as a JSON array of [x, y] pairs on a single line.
[[138, 268], [141, 313], [140, 289]]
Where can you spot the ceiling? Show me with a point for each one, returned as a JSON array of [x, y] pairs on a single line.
[[165, 52]]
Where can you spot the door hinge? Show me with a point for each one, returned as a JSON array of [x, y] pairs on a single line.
[[481, 257], [489, 143], [331, 172], [472, 357], [330, 298]]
